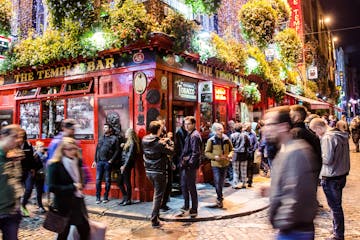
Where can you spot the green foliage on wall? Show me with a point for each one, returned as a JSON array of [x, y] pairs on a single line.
[[251, 93], [290, 46], [5, 16], [258, 22], [283, 10], [204, 6], [181, 29]]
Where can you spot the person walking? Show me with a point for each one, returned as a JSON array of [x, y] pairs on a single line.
[[66, 181], [129, 152], [335, 168], [240, 142], [293, 203], [10, 184], [155, 156], [219, 150], [355, 131], [107, 151], [40, 157], [189, 163]]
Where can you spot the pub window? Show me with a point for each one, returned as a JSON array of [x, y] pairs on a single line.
[[52, 115], [108, 87], [26, 93], [82, 110], [79, 87], [50, 90], [29, 119]]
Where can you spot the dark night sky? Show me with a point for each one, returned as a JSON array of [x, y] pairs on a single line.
[[344, 14]]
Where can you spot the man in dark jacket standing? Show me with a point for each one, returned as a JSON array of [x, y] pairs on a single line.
[[293, 204], [189, 163], [156, 151], [106, 153], [335, 168]]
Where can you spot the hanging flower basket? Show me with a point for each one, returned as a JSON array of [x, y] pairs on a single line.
[[250, 93]]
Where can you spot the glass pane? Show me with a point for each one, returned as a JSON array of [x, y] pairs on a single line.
[[29, 119], [50, 90], [81, 109], [77, 86], [52, 115], [26, 92]]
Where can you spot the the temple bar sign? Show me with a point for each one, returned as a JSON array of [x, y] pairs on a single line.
[[68, 70], [185, 88]]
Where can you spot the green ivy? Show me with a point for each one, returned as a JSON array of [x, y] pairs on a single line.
[[5, 17], [204, 6], [283, 10]]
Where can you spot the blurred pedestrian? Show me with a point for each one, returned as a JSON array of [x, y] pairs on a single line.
[[130, 150], [190, 162], [240, 142], [40, 157], [219, 150], [66, 181], [294, 178], [10, 184], [335, 168], [155, 158], [179, 142], [107, 151], [355, 131]]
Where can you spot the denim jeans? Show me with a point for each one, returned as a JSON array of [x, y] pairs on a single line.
[[188, 186], [333, 192], [103, 168], [29, 185], [9, 226], [219, 180], [124, 180], [158, 181], [295, 235]]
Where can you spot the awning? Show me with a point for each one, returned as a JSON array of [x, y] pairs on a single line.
[[314, 104]]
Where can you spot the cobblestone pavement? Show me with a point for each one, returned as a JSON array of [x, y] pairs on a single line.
[[252, 227]]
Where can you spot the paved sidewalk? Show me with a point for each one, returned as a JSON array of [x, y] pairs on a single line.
[[237, 203]]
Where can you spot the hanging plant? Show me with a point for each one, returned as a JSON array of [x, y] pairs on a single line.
[[181, 29], [81, 11], [251, 93], [283, 11], [262, 68], [290, 46], [276, 89], [5, 17], [204, 6], [258, 22]]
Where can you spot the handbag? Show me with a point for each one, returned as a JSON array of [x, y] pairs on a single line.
[[97, 231], [54, 221]]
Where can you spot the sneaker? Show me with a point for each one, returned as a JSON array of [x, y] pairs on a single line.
[[156, 224], [105, 201], [193, 213], [128, 202], [183, 212], [24, 212], [98, 201], [165, 209], [219, 204]]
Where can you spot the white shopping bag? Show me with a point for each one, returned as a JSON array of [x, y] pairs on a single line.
[[97, 231]]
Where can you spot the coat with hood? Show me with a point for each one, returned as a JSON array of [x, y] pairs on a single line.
[[156, 153], [335, 153], [216, 146]]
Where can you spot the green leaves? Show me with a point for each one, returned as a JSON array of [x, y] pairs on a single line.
[[251, 93], [204, 6], [290, 46], [5, 17]]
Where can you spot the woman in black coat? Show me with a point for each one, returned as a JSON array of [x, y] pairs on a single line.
[[65, 180], [130, 149]]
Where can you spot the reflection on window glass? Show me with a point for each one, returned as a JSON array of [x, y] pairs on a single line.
[[29, 118], [77, 86], [81, 109], [26, 92], [52, 115], [50, 90]]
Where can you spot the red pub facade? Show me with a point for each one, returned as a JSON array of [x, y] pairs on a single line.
[[127, 88]]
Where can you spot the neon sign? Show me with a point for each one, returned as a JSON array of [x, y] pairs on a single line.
[[220, 93]]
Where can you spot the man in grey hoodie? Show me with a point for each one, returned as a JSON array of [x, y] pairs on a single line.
[[335, 168]]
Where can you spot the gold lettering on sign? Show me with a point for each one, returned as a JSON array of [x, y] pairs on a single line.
[[90, 66], [109, 62]]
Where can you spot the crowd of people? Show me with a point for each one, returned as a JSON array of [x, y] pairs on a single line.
[[298, 150]]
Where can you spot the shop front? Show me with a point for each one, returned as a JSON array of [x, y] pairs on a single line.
[[126, 89]]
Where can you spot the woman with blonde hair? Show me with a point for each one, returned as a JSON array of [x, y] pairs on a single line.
[[65, 180], [130, 149]]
